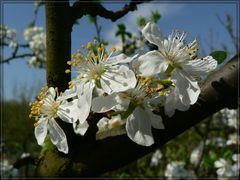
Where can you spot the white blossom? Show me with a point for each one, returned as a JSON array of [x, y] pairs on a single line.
[[229, 117], [99, 70], [46, 109], [37, 43], [110, 127], [216, 141], [224, 169], [156, 157], [233, 139], [8, 36], [176, 170], [196, 154], [138, 113], [177, 61]]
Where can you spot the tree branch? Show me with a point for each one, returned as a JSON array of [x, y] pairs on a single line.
[[7, 60], [94, 8], [219, 91]]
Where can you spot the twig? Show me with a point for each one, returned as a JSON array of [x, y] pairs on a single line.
[[92, 8], [15, 57]]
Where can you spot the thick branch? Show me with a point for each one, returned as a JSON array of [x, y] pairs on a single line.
[[219, 91], [94, 8]]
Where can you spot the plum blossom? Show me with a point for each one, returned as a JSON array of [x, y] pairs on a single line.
[[99, 70], [110, 127], [177, 61], [156, 157], [176, 170], [229, 117], [8, 36], [225, 170], [135, 105], [36, 38], [196, 154], [45, 110]]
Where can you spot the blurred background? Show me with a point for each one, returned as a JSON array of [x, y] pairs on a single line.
[[210, 149]]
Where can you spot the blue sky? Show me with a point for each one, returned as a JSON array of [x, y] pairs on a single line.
[[196, 18]]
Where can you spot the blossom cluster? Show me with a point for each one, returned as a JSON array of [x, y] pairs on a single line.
[[8, 36], [127, 91], [36, 39]]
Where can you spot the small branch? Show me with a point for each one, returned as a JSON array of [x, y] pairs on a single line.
[[15, 57], [92, 8]]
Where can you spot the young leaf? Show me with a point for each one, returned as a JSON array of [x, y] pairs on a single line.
[[220, 56]]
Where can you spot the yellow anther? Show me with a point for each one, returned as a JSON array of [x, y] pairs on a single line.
[[30, 116], [95, 41], [36, 124], [70, 82], [73, 56], [83, 46], [99, 49], [69, 63], [78, 51], [105, 56], [67, 71], [113, 49], [115, 124], [89, 45], [56, 89], [102, 46], [159, 86], [161, 93]]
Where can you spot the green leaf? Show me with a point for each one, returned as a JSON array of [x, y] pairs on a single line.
[[220, 56]]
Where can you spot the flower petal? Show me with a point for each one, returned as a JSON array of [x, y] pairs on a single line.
[[138, 127], [152, 33], [58, 136], [69, 111], [41, 131], [151, 63], [121, 59], [104, 103], [118, 78], [80, 128], [199, 67], [52, 91], [85, 101], [174, 102], [187, 86], [156, 120]]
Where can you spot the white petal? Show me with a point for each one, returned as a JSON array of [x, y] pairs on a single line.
[[152, 33], [69, 93], [52, 92], [188, 87], [69, 111], [117, 79], [80, 128], [85, 101], [174, 102], [139, 127], [151, 63], [104, 103], [121, 59], [58, 136], [199, 67], [41, 131], [156, 120]]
